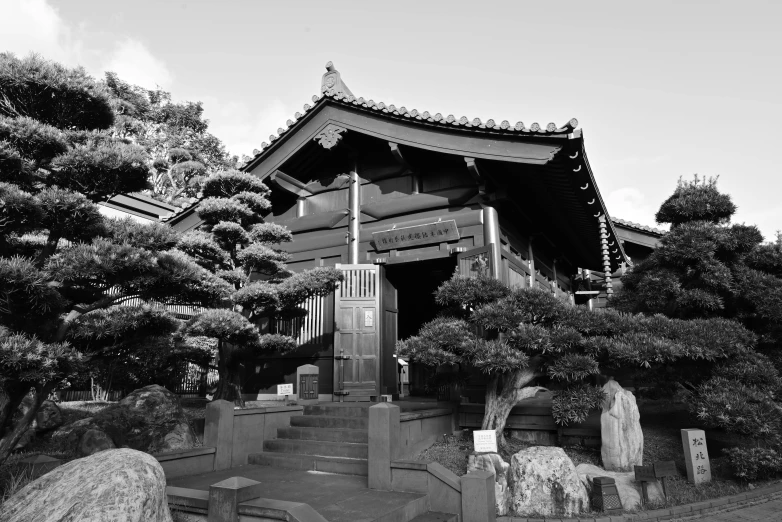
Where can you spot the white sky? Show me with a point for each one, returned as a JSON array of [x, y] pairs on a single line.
[[662, 89]]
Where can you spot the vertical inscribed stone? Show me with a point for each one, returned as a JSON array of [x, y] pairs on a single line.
[[696, 457]]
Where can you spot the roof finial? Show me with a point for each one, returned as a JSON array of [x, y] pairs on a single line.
[[332, 81]]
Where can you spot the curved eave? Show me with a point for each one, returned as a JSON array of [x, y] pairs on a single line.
[[590, 195], [504, 132]]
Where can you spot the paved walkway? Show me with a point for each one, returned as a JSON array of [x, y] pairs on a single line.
[[339, 498], [766, 512]]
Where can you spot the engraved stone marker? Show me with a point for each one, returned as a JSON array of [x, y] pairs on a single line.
[[696, 457]]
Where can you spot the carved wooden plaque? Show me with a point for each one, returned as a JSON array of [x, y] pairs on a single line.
[[417, 235]]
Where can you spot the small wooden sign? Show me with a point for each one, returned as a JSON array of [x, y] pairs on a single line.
[[665, 468], [485, 441], [645, 474], [696, 456], [418, 235], [285, 389]]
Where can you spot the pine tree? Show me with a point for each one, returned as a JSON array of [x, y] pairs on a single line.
[[235, 244], [62, 266], [522, 338], [707, 267]]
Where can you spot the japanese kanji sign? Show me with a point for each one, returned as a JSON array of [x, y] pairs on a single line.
[[696, 457], [418, 235], [485, 441]]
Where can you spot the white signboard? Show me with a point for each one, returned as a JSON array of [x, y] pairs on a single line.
[[285, 389], [485, 441], [696, 457], [369, 318]]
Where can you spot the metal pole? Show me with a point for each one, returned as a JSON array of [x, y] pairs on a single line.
[[491, 236], [355, 214]]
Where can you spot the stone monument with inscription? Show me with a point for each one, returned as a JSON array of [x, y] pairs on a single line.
[[696, 456]]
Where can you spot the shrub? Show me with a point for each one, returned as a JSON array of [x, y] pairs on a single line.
[[754, 463]]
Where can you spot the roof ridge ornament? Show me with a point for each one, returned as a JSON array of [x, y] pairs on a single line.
[[330, 136], [332, 82]]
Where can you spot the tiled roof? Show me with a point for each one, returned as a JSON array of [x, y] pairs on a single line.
[[341, 94], [638, 226]]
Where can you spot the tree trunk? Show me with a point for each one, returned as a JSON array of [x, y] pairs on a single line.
[[10, 439], [503, 392], [229, 386], [48, 250]]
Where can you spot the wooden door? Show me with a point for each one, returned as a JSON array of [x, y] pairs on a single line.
[[356, 335]]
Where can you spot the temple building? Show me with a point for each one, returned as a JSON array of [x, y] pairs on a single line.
[[400, 199]]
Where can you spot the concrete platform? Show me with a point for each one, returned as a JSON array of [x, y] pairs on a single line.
[[338, 498]]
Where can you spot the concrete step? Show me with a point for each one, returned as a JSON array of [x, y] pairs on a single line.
[[341, 465], [317, 447], [337, 410], [323, 421], [323, 434], [435, 516]]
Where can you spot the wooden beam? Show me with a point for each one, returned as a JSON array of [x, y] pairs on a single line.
[[290, 184], [480, 179]]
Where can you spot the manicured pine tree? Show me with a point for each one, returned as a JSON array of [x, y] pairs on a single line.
[[521, 338], [62, 267], [707, 267], [236, 245]]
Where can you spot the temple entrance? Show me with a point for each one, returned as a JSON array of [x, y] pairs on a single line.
[[415, 283]]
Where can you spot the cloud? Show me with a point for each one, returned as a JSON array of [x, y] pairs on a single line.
[[630, 204], [242, 129], [35, 26], [135, 64]]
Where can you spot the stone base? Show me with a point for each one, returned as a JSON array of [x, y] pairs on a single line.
[[537, 437], [306, 402]]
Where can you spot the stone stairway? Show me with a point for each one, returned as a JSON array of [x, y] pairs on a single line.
[[330, 437]]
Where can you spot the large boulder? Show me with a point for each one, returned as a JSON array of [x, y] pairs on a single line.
[[620, 429], [94, 441], [629, 490], [49, 417], [494, 464], [544, 481], [119, 485], [149, 419]]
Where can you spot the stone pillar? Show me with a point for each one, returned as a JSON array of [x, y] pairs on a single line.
[[478, 503], [219, 432], [383, 444], [491, 236], [225, 497]]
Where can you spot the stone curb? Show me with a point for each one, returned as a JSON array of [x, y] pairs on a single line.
[[676, 513]]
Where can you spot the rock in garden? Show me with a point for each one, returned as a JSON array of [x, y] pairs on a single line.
[[149, 419], [544, 481], [629, 490], [117, 485], [49, 417], [94, 441], [620, 429], [25, 440], [494, 464]]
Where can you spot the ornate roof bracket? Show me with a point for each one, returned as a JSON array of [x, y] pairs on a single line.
[[330, 136], [472, 168]]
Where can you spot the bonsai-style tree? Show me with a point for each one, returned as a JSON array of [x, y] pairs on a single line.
[[706, 267], [235, 244], [521, 338], [62, 266]]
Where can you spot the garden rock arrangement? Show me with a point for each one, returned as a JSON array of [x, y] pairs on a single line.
[[149, 419], [544, 481], [48, 418], [620, 428], [625, 485], [493, 463], [121, 484]]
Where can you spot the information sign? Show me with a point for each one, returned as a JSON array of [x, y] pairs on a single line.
[[485, 441], [696, 457], [285, 389]]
